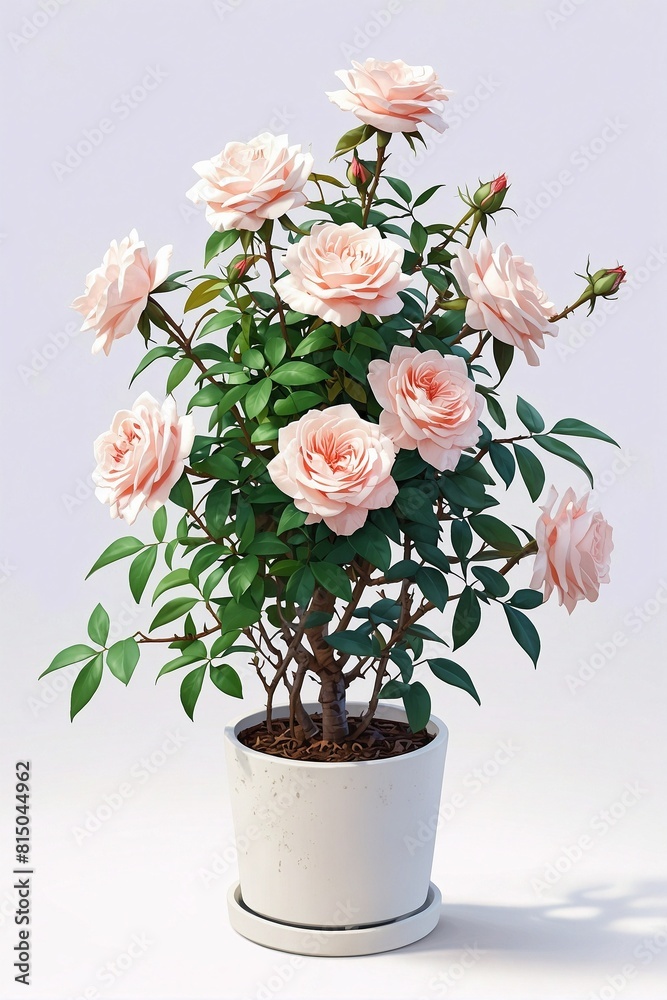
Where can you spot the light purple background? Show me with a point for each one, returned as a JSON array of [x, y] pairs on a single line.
[[539, 92]]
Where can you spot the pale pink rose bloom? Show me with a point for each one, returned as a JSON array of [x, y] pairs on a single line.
[[338, 272], [250, 182], [142, 456], [335, 466], [429, 403], [117, 291], [392, 96], [504, 297], [574, 548]]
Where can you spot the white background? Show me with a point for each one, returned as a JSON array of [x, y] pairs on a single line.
[[540, 90]]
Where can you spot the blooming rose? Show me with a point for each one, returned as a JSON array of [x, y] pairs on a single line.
[[142, 456], [338, 272], [574, 546], [117, 291], [392, 96], [250, 182], [336, 467], [504, 297], [429, 403]]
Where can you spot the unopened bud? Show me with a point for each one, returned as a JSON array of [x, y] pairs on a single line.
[[239, 266], [490, 196], [607, 281], [358, 175]]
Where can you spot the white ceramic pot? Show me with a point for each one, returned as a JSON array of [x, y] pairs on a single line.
[[333, 845]]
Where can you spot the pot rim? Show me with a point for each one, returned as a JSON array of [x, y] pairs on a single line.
[[231, 729]]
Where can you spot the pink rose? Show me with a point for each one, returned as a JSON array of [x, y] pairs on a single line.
[[117, 291], [248, 183], [338, 272], [392, 96], [336, 467], [574, 546], [429, 403], [504, 297], [142, 456]]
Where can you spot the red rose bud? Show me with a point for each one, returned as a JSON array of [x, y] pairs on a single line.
[[607, 281], [237, 269], [358, 175], [490, 196]]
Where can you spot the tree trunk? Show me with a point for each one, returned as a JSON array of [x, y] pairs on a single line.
[[332, 700]]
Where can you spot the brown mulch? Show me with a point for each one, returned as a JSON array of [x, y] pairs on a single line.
[[383, 738]]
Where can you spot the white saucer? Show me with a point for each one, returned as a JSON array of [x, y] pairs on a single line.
[[347, 941]]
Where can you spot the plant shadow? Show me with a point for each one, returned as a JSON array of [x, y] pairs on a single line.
[[588, 925]]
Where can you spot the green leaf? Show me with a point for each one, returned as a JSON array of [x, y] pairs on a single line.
[[350, 642], [205, 292], [433, 586], [461, 538], [418, 237], [257, 398], [404, 569], [181, 493], [426, 195], [122, 658], [578, 428], [297, 402], [423, 632], [191, 652], [227, 680], [217, 508], [173, 609], [220, 466], [493, 581], [275, 351], [524, 632], [190, 689], [86, 684], [291, 518], [73, 654], [496, 411], [98, 626], [495, 532], [531, 471], [316, 618], [417, 703], [141, 569], [372, 545], [210, 395], [526, 599], [177, 578], [160, 523], [242, 575], [226, 317], [332, 578], [467, 617], [219, 242], [563, 450], [180, 371], [318, 340], [401, 188], [503, 462], [238, 616], [351, 365], [298, 373], [529, 416], [451, 673], [369, 337], [402, 659], [503, 355], [119, 549], [151, 356], [353, 138]]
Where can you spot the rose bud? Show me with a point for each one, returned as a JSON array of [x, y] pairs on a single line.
[[239, 266], [607, 281], [490, 196], [358, 175]]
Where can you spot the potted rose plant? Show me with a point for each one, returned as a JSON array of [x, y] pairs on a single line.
[[333, 468]]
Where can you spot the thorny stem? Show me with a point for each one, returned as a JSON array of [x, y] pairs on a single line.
[[274, 277], [373, 185]]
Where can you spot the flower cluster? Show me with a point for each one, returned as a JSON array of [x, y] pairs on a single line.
[[347, 448]]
